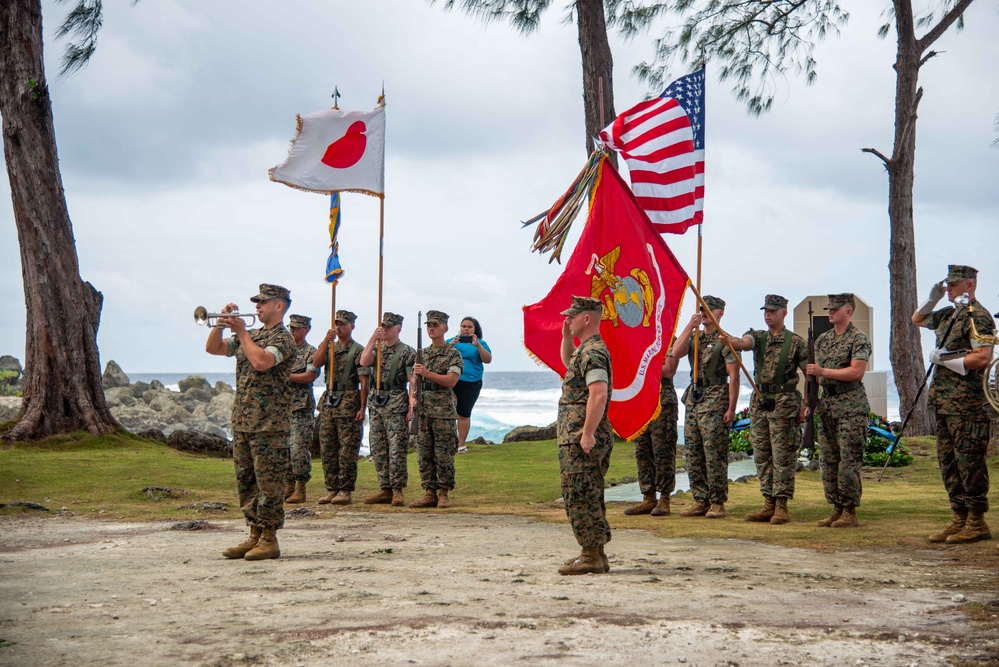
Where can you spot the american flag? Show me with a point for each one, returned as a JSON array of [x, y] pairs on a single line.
[[662, 140]]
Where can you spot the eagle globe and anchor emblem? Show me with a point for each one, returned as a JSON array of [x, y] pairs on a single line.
[[626, 299]]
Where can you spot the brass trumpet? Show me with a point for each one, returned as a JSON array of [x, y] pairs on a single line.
[[203, 317]]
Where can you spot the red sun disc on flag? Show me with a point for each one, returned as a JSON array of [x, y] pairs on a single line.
[[347, 150]]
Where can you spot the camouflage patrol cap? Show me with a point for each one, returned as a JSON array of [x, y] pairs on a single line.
[[345, 316], [774, 302], [299, 322], [714, 303], [391, 320], [582, 304], [271, 292], [436, 317], [840, 300], [957, 273]]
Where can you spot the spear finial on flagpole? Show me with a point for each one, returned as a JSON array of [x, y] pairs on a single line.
[[336, 98], [381, 98]]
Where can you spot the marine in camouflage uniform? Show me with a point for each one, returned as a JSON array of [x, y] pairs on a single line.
[[842, 411], [958, 401], [303, 409], [388, 411], [437, 443], [584, 449], [261, 415], [706, 423], [341, 409], [775, 412], [655, 450]]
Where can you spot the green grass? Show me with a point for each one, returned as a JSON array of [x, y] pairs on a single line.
[[105, 477]]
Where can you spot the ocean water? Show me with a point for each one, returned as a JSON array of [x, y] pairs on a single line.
[[508, 399]]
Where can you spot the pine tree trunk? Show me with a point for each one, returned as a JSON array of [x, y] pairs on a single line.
[[62, 388], [905, 349], [598, 64]]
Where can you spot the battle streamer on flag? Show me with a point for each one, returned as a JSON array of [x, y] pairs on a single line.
[[333, 269], [621, 260], [662, 141]]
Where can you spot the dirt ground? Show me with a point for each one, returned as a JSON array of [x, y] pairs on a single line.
[[432, 588]]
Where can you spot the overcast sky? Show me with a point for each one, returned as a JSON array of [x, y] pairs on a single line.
[[166, 137]]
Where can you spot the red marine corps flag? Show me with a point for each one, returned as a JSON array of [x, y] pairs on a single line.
[[623, 261]]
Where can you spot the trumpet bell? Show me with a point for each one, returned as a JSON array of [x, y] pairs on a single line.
[[201, 316]]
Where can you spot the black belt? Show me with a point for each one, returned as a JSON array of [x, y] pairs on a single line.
[[838, 389], [774, 388], [355, 387], [429, 385], [705, 382]]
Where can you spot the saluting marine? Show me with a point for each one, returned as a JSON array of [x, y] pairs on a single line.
[[964, 340]]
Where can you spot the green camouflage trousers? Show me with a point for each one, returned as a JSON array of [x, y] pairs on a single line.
[[339, 442], [841, 452], [961, 450], [435, 450], [300, 438], [389, 441], [582, 479], [655, 454], [705, 450], [775, 451], [261, 462]]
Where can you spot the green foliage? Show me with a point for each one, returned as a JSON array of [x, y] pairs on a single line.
[[524, 15], [876, 450], [751, 43], [738, 441], [6, 386]]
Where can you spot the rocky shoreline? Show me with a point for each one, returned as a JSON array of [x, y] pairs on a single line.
[[196, 418]]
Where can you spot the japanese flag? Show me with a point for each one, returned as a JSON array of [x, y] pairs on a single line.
[[336, 151]]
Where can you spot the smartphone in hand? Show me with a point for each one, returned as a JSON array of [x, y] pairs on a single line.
[[464, 339]]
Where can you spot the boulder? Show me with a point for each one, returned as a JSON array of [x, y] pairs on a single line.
[[200, 443], [156, 384], [9, 407], [139, 388], [153, 434], [195, 382], [11, 365], [223, 388], [114, 376], [116, 396], [219, 410], [531, 433]]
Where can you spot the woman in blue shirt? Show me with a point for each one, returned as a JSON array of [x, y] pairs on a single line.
[[475, 352]]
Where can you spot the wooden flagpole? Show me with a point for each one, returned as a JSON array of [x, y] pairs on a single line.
[[381, 268], [697, 332]]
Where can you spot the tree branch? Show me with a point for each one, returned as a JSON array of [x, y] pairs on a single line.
[[939, 29], [922, 61], [874, 151], [910, 123]]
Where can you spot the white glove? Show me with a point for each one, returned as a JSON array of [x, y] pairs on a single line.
[[956, 364], [937, 292]]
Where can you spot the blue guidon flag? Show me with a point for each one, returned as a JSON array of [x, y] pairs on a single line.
[[662, 140], [333, 269]]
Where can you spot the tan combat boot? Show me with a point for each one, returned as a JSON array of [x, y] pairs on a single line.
[[603, 557], [975, 529], [429, 499], [766, 513], [241, 550], [299, 496], [325, 500], [342, 498], [717, 511], [645, 507], [266, 548], [848, 519], [700, 508], [829, 520], [289, 488], [383, 497], [442, 498], [397, 499], [588, 562], [956, 524], [662, 507], [781, 515]]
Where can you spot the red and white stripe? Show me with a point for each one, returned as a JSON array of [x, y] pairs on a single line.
[[667, 172]]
